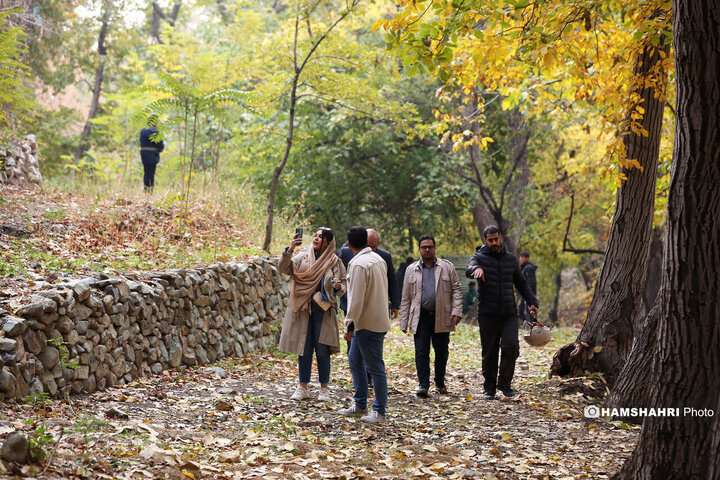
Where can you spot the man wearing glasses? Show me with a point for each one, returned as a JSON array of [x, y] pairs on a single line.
[[431, 307]]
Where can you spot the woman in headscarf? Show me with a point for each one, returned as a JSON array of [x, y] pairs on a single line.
[[317, 279]]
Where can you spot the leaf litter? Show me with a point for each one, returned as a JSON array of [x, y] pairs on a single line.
[[195, 424]]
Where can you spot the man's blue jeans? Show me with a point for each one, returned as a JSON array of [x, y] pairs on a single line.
[[366, 357]]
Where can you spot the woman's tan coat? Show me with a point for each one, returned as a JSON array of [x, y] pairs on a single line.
[[295, 324]]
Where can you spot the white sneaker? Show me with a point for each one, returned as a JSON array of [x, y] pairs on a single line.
[[353, 411], [324, 395], [374, 417], [301, 393]]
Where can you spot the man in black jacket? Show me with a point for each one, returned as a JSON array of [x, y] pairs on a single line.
[[528, 270], [150, 148], [497, 271]]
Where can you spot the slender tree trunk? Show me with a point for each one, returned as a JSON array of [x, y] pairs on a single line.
[[298, 67], [97, 87], [520, 177], [279, 168], [553, 312], [192, 158], [481, 216], [687, 358], [609, 326], [490, 206], [183, 156]]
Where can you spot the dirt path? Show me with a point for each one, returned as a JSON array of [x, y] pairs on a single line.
[[194, 424]]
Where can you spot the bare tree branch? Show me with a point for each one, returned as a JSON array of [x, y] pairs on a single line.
[[567, 246]]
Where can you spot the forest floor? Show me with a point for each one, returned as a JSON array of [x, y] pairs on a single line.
[[238, 422], [47, 233], [200, 423]]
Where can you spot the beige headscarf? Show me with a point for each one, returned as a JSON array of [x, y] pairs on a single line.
[[304, 284]]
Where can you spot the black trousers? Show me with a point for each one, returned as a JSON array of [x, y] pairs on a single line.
[[498, 335], [424, 336], [149, 175]]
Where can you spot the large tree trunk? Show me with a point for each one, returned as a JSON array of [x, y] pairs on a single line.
[[297, 71], [652, 280], [687, 358], [606, 338], [632, 388], [97, 86]]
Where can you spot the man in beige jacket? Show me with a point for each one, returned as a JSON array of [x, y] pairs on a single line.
[[367, 292], [431, 307]]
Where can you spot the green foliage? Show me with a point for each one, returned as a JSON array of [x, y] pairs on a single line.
[[87, 423], [187, 104], [41, 399], [16, 100], [40, 440], [368, 141], [64, 362]]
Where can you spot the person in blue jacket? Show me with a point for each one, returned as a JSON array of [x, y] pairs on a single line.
[[150, 148]]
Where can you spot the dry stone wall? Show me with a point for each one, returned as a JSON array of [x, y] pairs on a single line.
[[19, 162], [115, 329]]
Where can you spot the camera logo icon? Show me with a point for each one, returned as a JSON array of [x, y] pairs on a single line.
[[591, 411]]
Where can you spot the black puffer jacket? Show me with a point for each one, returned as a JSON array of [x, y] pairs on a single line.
[[528, 269], [496, 296]]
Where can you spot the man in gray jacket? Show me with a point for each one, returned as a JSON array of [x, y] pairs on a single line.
[[431, 307], [367, 311]]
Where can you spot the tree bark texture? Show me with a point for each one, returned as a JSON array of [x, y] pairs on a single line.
[[687, 358], [652, 279], [97, 87], [632, 388], [619, 288]]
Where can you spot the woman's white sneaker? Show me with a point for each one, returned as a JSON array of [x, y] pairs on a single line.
[[301, 393], [324, 395]]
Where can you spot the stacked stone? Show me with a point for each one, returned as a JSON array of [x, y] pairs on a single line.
[[114, 330], [19, 162]]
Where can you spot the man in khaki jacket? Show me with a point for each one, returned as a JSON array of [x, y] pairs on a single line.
[[367, 291], [431, 307]]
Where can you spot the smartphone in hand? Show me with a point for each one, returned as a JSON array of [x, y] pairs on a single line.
[[298, 232]]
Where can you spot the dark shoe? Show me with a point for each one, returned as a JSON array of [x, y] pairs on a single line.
[[508, 392], [442, 390], [488, 395], [422, 392]]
